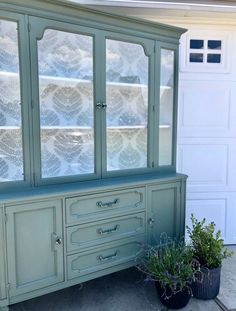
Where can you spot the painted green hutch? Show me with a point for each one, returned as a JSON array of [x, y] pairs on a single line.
[[88, 113]]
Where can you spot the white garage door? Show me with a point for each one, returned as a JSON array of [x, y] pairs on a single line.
[[207, 125]]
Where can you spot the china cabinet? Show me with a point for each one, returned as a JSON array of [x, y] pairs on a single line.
[[88, 113]]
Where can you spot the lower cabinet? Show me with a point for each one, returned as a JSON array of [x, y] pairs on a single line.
[[34, 246], [164, 212], [56, 243]]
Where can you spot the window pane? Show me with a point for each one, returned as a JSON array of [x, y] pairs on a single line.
[[11, 153], [214, 44], [166, 107], [213, 58], [196, 58], [196, 44], [127, 105], [66, 103]]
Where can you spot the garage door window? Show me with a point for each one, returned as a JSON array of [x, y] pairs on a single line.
[[205, 51]]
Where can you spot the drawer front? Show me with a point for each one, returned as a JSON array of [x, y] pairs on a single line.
[[105, 257], [104, 231], [79, 208]]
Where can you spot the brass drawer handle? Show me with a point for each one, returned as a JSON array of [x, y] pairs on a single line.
[[109, 257], [108, 231], [107, 204]]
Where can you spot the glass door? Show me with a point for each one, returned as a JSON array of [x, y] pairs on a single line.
[[11, 148], [167, 112], [65, 68], [65, 112], [127, 97], [14, 140]]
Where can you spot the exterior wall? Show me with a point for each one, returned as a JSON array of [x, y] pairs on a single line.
[[207, 132]]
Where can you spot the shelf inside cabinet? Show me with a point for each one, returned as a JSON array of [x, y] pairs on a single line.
[[71, 127], [74, 127], [44, 79], [65, 127], [9, 74], [164, 126], [10, 127], [126, 127]]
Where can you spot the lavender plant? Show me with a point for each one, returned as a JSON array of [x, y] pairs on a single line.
[[171, 265]]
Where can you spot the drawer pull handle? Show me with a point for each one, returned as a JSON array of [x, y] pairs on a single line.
[[107, 204], [109, 257], [108, 231]]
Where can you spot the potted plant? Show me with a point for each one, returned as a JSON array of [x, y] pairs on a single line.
[[172, 268], [208, 249]]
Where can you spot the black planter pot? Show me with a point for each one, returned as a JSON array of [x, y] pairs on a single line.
[[176, 301], [208, 284]]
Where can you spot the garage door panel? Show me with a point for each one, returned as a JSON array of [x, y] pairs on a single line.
[[211, 209], [205, 164], [218, 207]]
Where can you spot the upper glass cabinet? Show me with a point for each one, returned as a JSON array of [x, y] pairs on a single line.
[[85, 97]]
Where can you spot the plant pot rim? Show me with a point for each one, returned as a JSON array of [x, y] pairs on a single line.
[[211, 269]]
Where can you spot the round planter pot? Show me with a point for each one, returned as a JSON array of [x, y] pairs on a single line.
[[176, 301], [209, 286]]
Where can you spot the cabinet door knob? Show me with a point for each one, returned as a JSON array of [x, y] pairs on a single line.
[[151, 221], [58, 240], [101, 105]]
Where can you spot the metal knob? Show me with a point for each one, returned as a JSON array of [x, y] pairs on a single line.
[[101, 105], [58, 241], [151, 221]]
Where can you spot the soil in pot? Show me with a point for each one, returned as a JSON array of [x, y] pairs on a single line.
[[176, 301], [208, 284]]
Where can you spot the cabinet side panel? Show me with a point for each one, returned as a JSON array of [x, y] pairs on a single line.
[[2, 257]]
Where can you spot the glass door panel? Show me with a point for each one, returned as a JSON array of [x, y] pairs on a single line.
[[127, 105], [166, 107], [11, 149], [65, 64]]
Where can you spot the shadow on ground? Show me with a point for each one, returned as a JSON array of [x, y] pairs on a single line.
[[120, 291]]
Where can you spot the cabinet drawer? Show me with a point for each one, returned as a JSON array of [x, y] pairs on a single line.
[[104, 231], [104, 257], [81, 207]]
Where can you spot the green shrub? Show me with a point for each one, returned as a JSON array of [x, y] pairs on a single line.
[[208, 246]]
